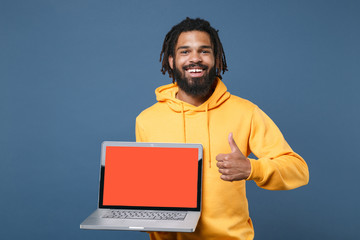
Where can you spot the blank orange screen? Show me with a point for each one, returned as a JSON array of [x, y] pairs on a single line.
[[150, 176]]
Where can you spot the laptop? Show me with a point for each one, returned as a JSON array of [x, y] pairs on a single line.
[[148, 187]]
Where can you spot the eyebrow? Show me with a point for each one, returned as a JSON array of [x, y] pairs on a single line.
[[185, 47]]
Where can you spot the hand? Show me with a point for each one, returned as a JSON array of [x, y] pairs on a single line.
[[233, 166]]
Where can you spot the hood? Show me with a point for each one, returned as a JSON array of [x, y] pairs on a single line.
[[168, 92]]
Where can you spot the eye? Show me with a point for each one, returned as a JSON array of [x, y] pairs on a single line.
[[184, 52], [205, 51]]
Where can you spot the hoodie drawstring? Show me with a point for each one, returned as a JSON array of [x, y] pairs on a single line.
[[207, 126], [208, 132], [183, 119], [167, 94]]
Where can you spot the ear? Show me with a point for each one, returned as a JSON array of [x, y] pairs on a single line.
[[171, 62]]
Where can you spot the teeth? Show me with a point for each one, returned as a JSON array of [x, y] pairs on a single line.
[[196, 70]]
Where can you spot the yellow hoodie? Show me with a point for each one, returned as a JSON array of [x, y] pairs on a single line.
[[225, 213]]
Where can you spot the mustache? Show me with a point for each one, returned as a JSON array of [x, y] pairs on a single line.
[[195, 65]]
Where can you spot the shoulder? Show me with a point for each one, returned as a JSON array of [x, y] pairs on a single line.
[[151, 112], [241, 103]]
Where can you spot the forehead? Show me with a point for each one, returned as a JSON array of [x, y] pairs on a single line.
[[193, 39]]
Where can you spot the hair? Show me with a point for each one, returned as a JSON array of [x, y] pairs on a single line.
[[171, 38]]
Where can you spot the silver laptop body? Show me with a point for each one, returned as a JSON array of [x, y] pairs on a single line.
[[148, 187]]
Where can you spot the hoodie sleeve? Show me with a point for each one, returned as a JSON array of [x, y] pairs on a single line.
[[278, 167], [139, 134]]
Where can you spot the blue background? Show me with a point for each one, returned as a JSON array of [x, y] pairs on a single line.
[[75, 73]]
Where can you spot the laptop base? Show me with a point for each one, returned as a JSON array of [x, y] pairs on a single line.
[[96, 222]]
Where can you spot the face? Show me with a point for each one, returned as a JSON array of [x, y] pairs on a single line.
[[194, 63]]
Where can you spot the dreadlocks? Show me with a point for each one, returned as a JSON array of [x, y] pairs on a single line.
[[168, 48]]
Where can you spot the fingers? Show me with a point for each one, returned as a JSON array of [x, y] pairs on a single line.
[[232, 143], [234, 147], [222, 157], [233, 166], [229, 178], [222, 164], [228, 174]]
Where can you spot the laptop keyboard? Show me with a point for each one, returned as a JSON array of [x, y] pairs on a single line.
[[121, 214]]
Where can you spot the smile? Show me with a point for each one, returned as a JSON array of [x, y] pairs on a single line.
[[194, 70]]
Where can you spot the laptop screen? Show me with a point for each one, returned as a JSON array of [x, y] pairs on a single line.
[[150, 177]]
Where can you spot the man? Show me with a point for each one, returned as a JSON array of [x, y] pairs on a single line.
[[197, 108]]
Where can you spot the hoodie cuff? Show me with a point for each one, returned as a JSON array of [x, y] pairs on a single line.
[[255, 168]]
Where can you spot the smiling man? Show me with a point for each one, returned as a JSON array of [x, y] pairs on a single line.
[[193, 64], [197, 108]]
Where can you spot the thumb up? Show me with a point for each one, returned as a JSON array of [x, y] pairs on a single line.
[[233, 166]]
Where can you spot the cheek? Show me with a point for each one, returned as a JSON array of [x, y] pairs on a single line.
[[210, 61], [179, 62]]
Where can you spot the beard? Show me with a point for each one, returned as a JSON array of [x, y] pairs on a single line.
[[197, 86]]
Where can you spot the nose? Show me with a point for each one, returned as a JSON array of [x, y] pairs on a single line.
[[195, 57]]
